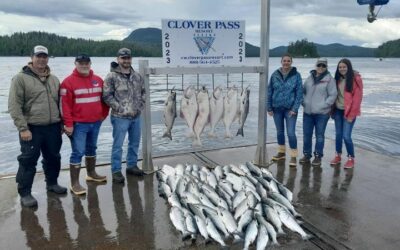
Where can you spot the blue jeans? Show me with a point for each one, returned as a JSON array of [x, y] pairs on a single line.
[[122, 126], [343, 130], [319, 122], [84, 140], [280, 116]]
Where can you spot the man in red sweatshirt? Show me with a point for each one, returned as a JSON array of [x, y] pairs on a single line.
[[82, 112]]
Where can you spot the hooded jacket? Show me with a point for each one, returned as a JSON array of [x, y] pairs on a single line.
[[124, 94], [352, 100], [81, 99], [319, 93], [285, 92], [32, 100]]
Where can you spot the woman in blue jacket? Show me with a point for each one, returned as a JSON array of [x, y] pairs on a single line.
[[285, 94]]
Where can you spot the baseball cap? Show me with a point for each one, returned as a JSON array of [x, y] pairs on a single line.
[[39, 49], [82, 58], [322, 60], [124, 52]]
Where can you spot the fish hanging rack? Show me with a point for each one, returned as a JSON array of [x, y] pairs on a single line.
[[198, 81]]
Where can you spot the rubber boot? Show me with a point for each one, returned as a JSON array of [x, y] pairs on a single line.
[[293, 159], [76, 188], [281, 153], [91, 174]]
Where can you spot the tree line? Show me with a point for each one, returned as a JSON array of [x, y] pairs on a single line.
[[389, 49], [21, 44], [302, 48]]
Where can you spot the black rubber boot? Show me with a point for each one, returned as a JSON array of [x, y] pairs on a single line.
[[28, 201]]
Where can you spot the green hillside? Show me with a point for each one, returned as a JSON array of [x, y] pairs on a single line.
[[21, 44], [147, 42], [389, 49]]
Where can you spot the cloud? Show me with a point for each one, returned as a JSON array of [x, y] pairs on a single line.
[[326, 21]]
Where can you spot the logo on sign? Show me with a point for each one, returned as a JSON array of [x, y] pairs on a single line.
[[204, 43]]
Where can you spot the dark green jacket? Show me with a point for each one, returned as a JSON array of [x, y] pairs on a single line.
[[33, 101]]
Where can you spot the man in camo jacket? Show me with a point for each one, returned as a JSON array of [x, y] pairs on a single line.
[[124, 92]]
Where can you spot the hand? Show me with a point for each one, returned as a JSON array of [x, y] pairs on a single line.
[[291, 113], [68, 130], [350, 120], [26, 135], [270, 113]]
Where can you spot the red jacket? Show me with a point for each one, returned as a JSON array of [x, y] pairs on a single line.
[[81, 99], [352, 100]]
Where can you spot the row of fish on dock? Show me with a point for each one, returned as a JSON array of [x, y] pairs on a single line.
[[243, 203], [198, 109]]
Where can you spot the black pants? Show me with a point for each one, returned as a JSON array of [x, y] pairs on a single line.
[[46, 140]]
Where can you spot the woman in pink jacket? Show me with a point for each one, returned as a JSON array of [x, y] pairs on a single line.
[[347, 107]]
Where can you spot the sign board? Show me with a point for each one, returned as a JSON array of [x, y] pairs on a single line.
[[203, 42]]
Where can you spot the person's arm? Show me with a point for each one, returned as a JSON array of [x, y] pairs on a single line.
[[357, 97], [16, 100], [332, 92], [298, 94], [67, 103], [270, 92], [109, 92]]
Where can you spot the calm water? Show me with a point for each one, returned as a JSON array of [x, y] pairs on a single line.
[[378, 129]]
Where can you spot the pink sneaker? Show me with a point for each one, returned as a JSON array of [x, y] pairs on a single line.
[[336, 160], [349, 163]]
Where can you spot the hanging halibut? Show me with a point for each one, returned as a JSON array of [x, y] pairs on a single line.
[[189, 108]]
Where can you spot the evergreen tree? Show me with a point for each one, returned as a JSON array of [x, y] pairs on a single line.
[[302, 48], [21, 44], [389, 49]]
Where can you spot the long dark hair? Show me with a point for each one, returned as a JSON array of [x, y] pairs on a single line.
[[349, 75]]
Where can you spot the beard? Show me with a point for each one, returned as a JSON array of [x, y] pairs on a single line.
[[126, 65]]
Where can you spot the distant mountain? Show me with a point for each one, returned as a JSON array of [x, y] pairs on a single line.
[[145, 36], [147, 42], [151, 38], [340, 50]]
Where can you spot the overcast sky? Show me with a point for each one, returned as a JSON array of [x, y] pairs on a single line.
[[324, 21]]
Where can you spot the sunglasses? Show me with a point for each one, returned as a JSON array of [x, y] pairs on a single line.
[[321, 65]]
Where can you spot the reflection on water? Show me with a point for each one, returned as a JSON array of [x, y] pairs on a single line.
[[59, 236], [138, 223], [377, 129], [134, 223]]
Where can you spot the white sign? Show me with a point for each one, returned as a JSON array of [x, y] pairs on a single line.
[[203, 42]]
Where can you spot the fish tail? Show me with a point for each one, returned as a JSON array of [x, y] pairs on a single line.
[[186, 236], [240, 132], [306, 237], [280, 231], [197, 142], [237, 238], [167, 134], [276, 243]]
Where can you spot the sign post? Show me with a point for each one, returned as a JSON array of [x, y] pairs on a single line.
[[261, 157], [203, 42]]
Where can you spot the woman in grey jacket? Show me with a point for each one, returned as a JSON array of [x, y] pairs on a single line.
[[319, 95]]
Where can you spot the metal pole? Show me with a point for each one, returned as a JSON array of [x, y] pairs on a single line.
[[213, 81], [182, 82], [242, 81], [261, 157], [167, 82], [147, 162]]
